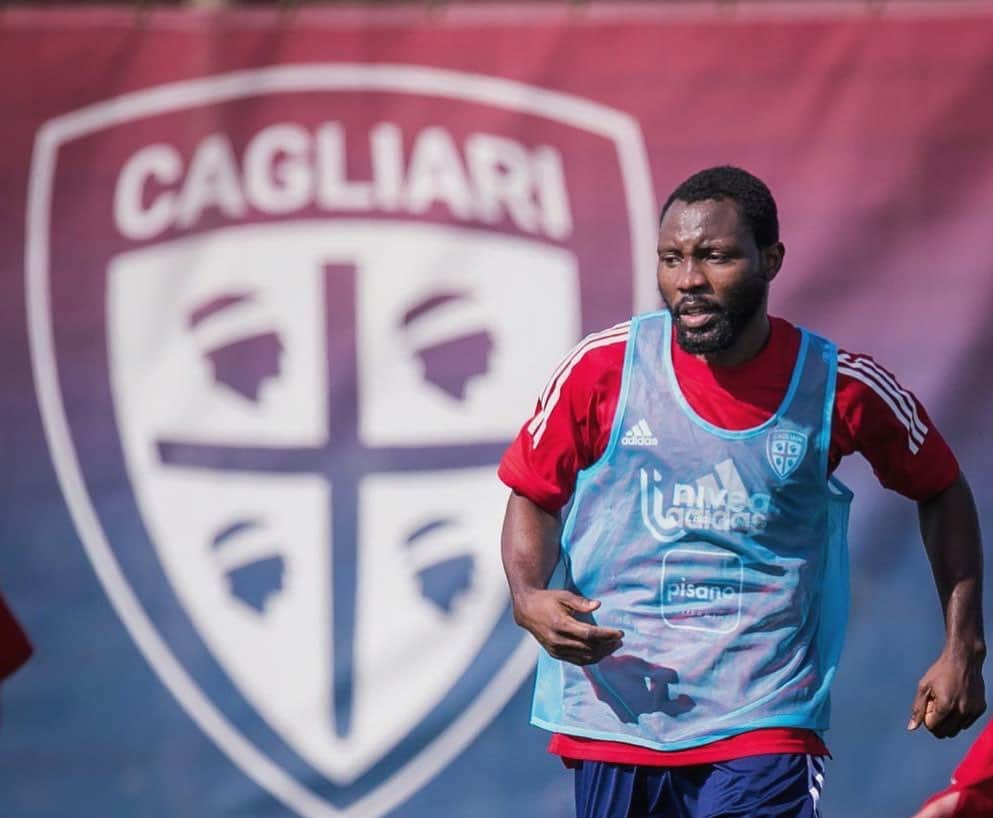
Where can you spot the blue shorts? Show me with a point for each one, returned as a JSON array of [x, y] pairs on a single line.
[[766, 786]]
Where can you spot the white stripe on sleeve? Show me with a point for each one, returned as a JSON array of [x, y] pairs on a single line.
[[577, 350], [539, 423], [858, 375], [888, 382], [900, 402]]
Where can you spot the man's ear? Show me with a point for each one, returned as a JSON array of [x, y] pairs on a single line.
[[772, 259]]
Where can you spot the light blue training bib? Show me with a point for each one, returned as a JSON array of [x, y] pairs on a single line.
[[721, 554]]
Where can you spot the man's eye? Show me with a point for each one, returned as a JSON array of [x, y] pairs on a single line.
[[670, 261], [718, 258]]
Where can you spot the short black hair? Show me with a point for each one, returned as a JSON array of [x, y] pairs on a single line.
[[748, 192]]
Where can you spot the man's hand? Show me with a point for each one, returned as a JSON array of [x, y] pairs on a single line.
[[551, 617], [951, 695], [530, 548]]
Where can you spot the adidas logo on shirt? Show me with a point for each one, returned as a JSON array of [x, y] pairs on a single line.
[[640, 435]]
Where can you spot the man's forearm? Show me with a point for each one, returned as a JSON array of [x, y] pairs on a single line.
[[950, 530], [951, 696], [530, 549], [529, 545]]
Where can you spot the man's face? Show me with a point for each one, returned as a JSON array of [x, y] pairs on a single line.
[[712, 275]]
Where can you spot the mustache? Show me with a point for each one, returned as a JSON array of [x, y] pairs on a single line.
[[696, 303]]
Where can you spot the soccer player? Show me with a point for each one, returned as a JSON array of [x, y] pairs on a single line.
[[692, 602]]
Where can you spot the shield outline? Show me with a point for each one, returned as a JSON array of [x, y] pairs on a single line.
[[788, 434], [618, 127]]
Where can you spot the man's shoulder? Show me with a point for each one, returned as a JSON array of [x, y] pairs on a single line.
[[599, 351], [867, 390], [861, 371], [860, 375], [593, 365], [588, 374]]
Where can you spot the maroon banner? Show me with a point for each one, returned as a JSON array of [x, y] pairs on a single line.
[[282, 285]]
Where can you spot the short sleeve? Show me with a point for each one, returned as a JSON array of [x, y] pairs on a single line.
[[878, 417], [571, 423]]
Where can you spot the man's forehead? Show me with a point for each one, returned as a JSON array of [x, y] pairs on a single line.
[[708, 218]]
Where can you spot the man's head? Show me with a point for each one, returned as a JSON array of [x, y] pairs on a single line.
[[718, 250]]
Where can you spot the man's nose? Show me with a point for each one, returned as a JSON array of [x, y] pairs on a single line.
[[690, 275]]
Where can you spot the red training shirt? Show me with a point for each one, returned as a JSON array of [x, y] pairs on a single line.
[[873, 414]]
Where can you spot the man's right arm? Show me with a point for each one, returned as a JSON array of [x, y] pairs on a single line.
[[530, 549]]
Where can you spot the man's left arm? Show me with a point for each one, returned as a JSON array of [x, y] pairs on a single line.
[[877, 416], [951, 694]]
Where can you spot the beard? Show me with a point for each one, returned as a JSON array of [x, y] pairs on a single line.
[[726, 322]]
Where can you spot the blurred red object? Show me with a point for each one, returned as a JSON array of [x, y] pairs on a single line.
[[15, 649], [972, 782]]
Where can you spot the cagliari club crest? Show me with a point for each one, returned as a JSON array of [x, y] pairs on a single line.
[[279, 352], [785, 449]]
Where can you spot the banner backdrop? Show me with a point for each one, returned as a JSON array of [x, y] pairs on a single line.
[[281, 287]]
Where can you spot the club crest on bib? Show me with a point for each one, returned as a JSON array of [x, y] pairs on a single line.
[[785, 450], [279, 355]]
